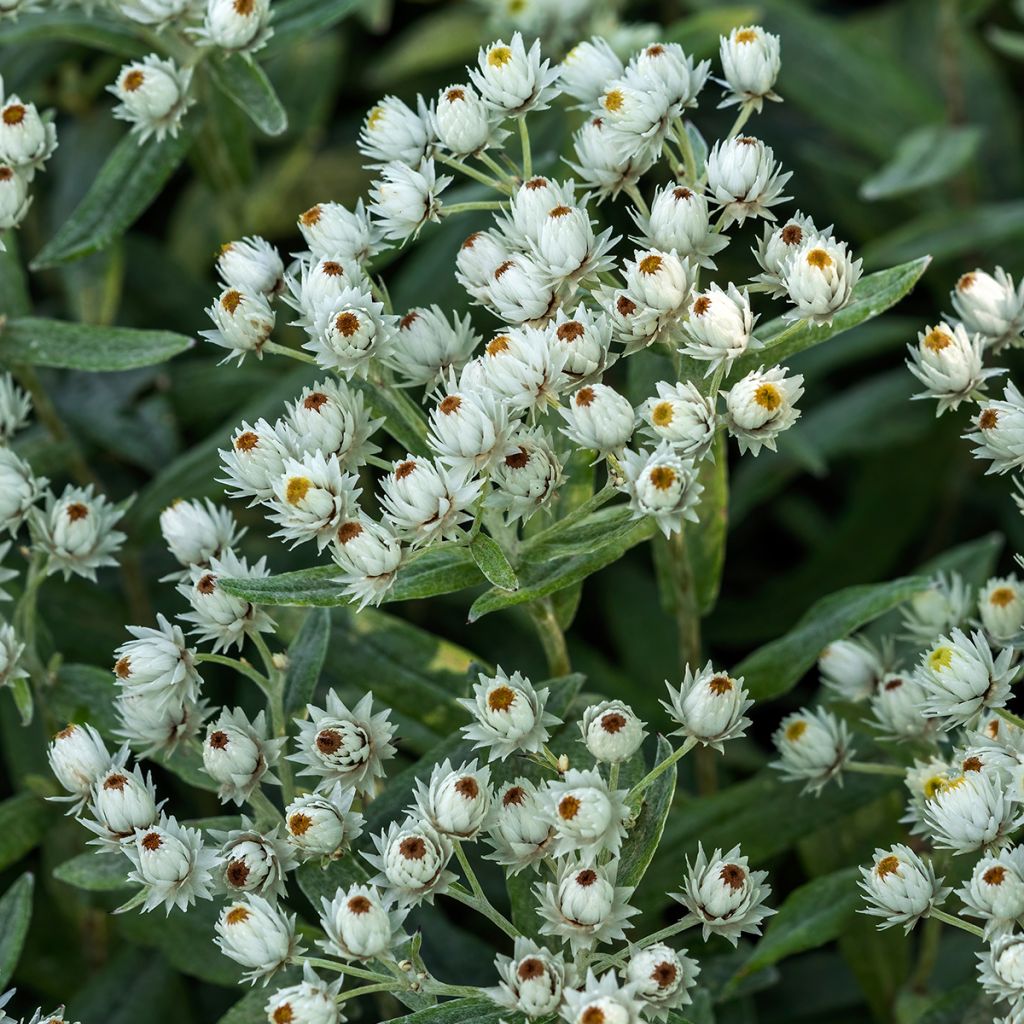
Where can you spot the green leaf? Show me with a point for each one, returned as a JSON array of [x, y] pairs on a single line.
[[295, 20], [642, 842], [699, 33], [24, 819], [492, 563], [776, 668], [705, 539], [457, 1011], [812, 915], [245, 82], [405, 421], [21, 691], [15, 915], [98, 30], [95, 872], [1010, 44], [306, 660], [926, 157], [37, 342], [439, 40], [132, 177]]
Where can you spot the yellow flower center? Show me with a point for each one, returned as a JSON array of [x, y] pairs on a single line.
[[936, 340], [297, 488], [940, 658], [499, 56], [795, 730], [768, 397], [662, 477], [819, 258], [613, 101], [662, 414]]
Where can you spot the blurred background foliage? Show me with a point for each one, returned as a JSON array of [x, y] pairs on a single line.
[[902, 124]]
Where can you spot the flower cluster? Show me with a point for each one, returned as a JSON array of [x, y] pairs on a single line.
[[55, 1017]]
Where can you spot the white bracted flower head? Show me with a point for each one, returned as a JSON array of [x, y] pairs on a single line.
[[19, 490], [310, 1001], [586, 337], [255, 460], [312, 498], [896, 707], [14, 199], [924, 781], [524, 365], [972, 812], [478, 257], [604, 1000], [851, 668], [531, 981], [334, 232], [358, 924], [520, 291], [425, 502], [238, 754], [638, 110], [680, 220], [333, 418], [393, 131], [196, 531], [709, 707], [612, 731], [567, 249], [819, 277], [405, 198], [348, 332], [662, 485], [426, 348], [761, 406], [1001, 607], [777, 244], [900, 888], [599, 418], [949, 363], [120, 802], [683, 417], [153, 96], [251, 264], [663, 977], [336, 745], [257, 935], [512, 80], [723, 895], [412, 862], [317, 282], [243, 322], [583, 906], [661, 281], [605, 161], [15, 408], [751, 59], [26, 140], [11, 650], [1001, 973], [813, 747], [995, 891], [946, 602], [156, 13], [463, 124], [369, 555], [744, 179], [960, 677], [456, 801], [469, 429], [78, 757], [509, 715], [323, 825], [157, 663], [720, 327], [588, 816], [77, 531], [151, 724], [236, 25], [990, 305], [520, 832], [221, 618], [528, 477], [668, 67], [998, 433], [586, 69], [253, 861], [172, 864]]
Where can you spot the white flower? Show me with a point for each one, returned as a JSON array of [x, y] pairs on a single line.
[[819, 277], [751, 60], [995, 891], [358, 925], [683, 417], [660, 280], [775, 246], [78, 757], [971, 812], [251, 264], [584, 906], [638, 111], [237, 25], [585, 336], [425, 502], [238, 755], [528, 477], [121, 802], [334, 232], [512, 79], [405, 198], [152, 12], [851, 668], [603, 1000], [598, 417], [478, 257], [255, 460], [531, 981], [311, 1001], [11, 650], [520, 292], [157, 663], [896, 706], [612, 731], [26, 141], [369, 555], [945, 603], [709, 706], [900, 887], [196, 531], [668, 67], [604, 160], [323, 826], [339, 745], [257, 935], [509, 715], [525, 365], [679, 220], [990, 305], [6, 575], [316, 282], [462, 121], [586, 69], [468, 429], [172, 864], [663, 978], [1001, 973], [744, 179], [243, 322], [457, 802], [221, 618], [960, 677], [253, 861], [761, 406], [948, 362], [153, 95], [566, 246], [151, 724], [1001, 607], [14, 197], [814, 747], [391, 131], [999, 431], [520, 832], [312, 498], [77, 531], [661, 485], [412, 861], [588, 816], [720, 327], [723, 895], [19, 490], [924, 781], [426, 348], [346, 333]]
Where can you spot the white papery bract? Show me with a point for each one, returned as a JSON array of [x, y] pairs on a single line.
[[253, 861], [995, 891], [1001, 607], [723, 895], [896, 707], [456, 801], [680, 220], [462, 123], [720, 327], [243, 27], [520, 291], [603, 162], [333, 231], [663, 978], [77, 531], [332, 418], [348, 331], [15, 408], [528, 477], [11, 650], [311, 1001], [323, 825], [586, 69], [238, 754], [196, 531], [531, 981], [152, 12], [1001, 973], [255, 461], [19, 490], [14, 197], [424, 501], [603, 999], [990, 305], [369, 555], [511, 79], [312, 498], [587, 814], [662, 485], [900, 887], [945, 603], [358, 924], [814, 747], [683, 417], [598, 417], [157, 663], [851, 668], [744, 179], [78, 756], [478, 258], [709, 706], [243, 322], [251, 264], [426, 348], [819, 277], [120, 802], [392, 131], [585, 337], [257, 935], [315, 283], [761, 406], [661, 281], [520, 831], [777, 244], [172, 864], [469, 429], [667, 67], [509, 715], [525, 366], [971, 812], [151, 724], [405, 198], [26, 140], [751, 59], [412, 860], [948, 362], [338, 745], [998, 432], [612, 731], [153, 95]]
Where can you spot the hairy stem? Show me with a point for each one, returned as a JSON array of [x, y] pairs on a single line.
[[551, 636], [485, 908], [275, 704], [292, 353], [663, 766], [524, 139], [941, 915], [335, 965]]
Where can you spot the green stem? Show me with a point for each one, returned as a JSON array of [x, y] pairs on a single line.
[[493, 165], [634, 193], [26, 614], [928, 950], [467, 870], [552, 639], [275, 703], [365, 990], [334, 965], [677, 755], [686, 148], [439, 988], [685, 594], [787, 333], [741, 119], [284, 350], [266, 813], [479, 204], [941, 915], [471, 172], [241, 667], [618, 958], [484, 907], [1010, 717], [869, 768], [524, 139], [613, 777]]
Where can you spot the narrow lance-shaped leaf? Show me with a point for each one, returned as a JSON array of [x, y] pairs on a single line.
[[306, 659], [246, 83], [642, 842], [928, 156], [15, 915], [491, 561], [95, 872]]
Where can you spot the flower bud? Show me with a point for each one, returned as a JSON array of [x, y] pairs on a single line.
[[530, 981], [744, 179], [256, 935], [663, 977], [392, 131], [461, 121], [197, 531], [153, 95], [78, 757], [949, 363], [680, 220], [121, 801], [311, 1001], [26, 141], [814, 746], [14, 197], [761, 406], [511, 79], [243, 322], [1001, 607], [172, 864], [252, 861], [661, 485], [709, 706], [900, 887], [851, 668], [357, 924], [412, 860], [990, 305], [612, 731], [231, 25], [77, 531], [237, 754], [322, 826], [520, 832], [751, 62], [334, 232], [598, 417], [251, 264]]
